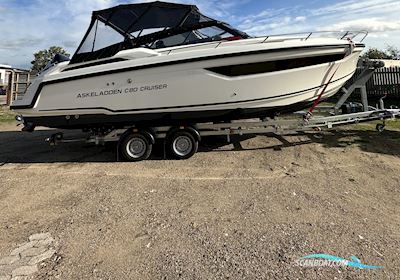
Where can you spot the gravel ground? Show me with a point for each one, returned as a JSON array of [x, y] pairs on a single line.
[[246, 210]]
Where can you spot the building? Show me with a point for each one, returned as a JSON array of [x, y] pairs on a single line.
[[4, 77], [13, 82]]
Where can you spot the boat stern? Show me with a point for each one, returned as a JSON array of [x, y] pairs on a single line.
[[24, 106]]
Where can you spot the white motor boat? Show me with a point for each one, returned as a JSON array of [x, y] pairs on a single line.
[[160, 63]]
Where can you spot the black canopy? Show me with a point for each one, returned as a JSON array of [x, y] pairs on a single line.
[[128, 19], [135, 25]]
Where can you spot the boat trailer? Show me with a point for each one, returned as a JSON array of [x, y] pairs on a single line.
[[181, 142]]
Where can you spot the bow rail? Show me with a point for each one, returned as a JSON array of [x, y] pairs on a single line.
[[304, 36]]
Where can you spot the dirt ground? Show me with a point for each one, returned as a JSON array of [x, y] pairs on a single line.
[[246, 210]]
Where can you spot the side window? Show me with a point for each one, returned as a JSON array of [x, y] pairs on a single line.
[[171, 41], [212, 32], [146, 32], [106, 36], [202, 35], [99, 37]]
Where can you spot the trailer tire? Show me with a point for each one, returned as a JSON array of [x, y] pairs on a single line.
[[182, 144], [136, 147]]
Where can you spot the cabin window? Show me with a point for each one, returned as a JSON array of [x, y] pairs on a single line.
[[273, 66]]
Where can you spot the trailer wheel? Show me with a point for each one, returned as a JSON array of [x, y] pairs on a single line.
[[136, 147], [182, 144]]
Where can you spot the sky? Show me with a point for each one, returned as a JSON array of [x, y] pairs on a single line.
[[27, 26]]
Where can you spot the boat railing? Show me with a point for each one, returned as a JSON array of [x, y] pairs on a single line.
[[351, 35]]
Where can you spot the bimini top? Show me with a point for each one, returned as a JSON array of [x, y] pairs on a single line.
[[152, 25]]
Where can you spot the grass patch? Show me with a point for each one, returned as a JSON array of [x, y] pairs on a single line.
[[390, 125], [393, 124], [391, 132], [6, 116]]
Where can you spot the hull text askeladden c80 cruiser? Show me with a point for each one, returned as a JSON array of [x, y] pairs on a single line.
[[166, 64]]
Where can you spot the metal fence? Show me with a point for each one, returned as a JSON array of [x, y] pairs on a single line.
[[384, 81]]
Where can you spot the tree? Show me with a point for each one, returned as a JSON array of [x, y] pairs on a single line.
[[392, 52], [44, 56], [374, 53]]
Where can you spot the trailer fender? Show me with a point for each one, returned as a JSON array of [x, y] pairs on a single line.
[[190, 129], [146, 132]]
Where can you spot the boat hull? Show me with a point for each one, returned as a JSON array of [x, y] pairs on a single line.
[[165, 118], [160, 119]]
